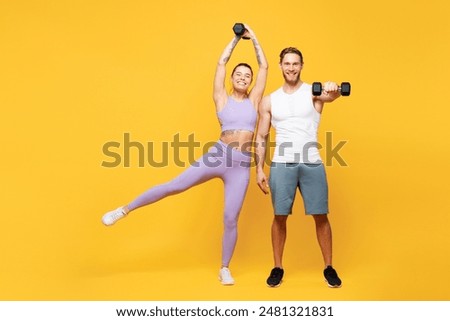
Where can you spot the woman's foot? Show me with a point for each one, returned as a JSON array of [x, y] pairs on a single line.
[[225, 276], [113, 216]]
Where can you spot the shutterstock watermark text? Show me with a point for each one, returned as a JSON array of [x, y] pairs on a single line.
[[182, 151]]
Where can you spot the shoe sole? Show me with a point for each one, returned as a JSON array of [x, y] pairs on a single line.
[[332, 286], [224, 283], [275, 286]]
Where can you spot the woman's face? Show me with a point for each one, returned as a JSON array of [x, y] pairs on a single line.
[[241, 78]]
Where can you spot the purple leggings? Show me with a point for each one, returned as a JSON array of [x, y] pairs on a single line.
[[222, 161]]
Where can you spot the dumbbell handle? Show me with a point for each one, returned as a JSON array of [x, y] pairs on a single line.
[[339, 88]]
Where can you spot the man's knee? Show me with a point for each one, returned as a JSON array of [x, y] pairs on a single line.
[[280, 220], [321, 219]]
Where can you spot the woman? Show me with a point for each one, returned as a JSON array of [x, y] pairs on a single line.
[[229, 159]]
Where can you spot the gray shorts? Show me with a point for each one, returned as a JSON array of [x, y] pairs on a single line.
[[310, 179]]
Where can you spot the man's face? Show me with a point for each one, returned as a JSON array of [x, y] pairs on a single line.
[[291, 67]]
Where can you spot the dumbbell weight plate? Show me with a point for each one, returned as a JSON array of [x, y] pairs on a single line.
[[239, 30], [317, 88], [345, 89]]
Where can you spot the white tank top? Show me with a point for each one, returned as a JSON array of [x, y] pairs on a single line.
[[296, 122]]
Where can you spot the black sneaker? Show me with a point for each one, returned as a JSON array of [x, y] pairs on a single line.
[[275, 278], [331, 277]]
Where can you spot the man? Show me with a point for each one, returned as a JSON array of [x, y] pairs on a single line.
[[295, 114]]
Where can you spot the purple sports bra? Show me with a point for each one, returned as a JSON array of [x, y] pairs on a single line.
[[237, 115]]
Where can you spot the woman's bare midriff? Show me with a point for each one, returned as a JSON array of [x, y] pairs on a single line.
[[238, 139]]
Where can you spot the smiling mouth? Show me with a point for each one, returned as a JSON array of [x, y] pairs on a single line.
[[291, 75]]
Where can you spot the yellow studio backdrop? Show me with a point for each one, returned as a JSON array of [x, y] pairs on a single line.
[[76, 75]]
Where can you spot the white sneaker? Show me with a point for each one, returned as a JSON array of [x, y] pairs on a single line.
[[112, 217], [225, 276]]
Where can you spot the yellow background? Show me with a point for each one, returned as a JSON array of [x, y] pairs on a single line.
[[75, 75]]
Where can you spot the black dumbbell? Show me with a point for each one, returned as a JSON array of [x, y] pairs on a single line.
[[344, 88], [239, 30]]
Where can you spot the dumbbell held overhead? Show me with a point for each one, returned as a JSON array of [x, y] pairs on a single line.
[[239, 30], [344, 88]]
